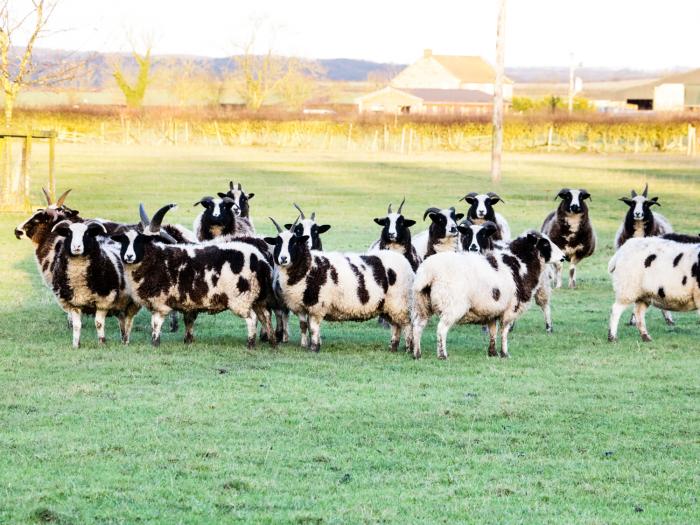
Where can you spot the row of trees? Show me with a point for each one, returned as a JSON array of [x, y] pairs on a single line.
[[258, 76]]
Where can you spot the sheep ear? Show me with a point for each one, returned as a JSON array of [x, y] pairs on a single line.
[[222, 195], [62, 228], [251, 195], [409, 222], [562, 193], [585, 195], [324, 228], [270, 240], [459, 216], [490, 228], [532, 238], [303, 238], [434, 216], [381, 222], [287, 226], [627, 201], [653, 201], [463, 229]]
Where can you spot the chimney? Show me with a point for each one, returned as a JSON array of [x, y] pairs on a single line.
[[427, 53]]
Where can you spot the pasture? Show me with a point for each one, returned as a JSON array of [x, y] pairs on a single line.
[[570, 429]]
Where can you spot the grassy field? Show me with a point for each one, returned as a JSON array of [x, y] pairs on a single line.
[[571, 429]]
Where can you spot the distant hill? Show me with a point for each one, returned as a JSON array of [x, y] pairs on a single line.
[[335, 69]]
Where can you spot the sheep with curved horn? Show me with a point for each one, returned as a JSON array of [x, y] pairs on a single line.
[[441, 236], [481, 211], [166, 278], [240, 198], [221, 219], [309, 228]]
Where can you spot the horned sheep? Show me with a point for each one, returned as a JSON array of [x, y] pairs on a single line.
[[481, 210], [441, 236], [396, 235]]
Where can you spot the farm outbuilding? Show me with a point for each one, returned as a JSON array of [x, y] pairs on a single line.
[[438, 84]]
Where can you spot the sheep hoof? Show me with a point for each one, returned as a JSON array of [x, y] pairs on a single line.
[[315, 347], [394, 346], [101, 340], [492, 352], [646, 338], [572, 285], [548, 328], [416, 355], [155, 341], [279, 335], [189, 339], [263, 336], [505, 355], [611, 338], [250, 343], [273, 341], [670, 322], [442, 357]]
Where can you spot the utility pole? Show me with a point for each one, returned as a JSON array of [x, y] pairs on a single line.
[[497, 140]]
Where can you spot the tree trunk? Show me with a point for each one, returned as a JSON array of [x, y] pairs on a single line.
[[9, 106]]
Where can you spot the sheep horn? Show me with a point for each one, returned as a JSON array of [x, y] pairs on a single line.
[[203, 200], [313, 215], [493, 195], [230, 185], [61, 224], [431, 210], [165, 235], [401, 205], [62, 198], [239, 186], [145, 221], [48, 197], [279, 229], [633, 193], [646, 189], [388, 210], [298, 208], [90, 222], [158, 217], [470, 194]]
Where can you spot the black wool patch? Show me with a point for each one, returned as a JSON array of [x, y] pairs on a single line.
[[391, 275], [317, 277], [662, 293], [492, 261], [496, 294], [677, 259], [243, 285], [649, 260]]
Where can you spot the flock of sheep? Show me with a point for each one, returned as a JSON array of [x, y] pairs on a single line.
[[462, 271]]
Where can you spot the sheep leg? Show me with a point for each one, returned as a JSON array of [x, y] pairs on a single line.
[[418, 327], [557, 274], [100, 320], [668, 317], [190, 318], [572, 274], [157, 319], [395, 337], [304, 329], [617, 309], [505, 328], [408, 337], [640, 309], [633, 320], [126, 321], [315, 328], [174, 322], [493, 332], [251, 323], [265, 316], [282, 325], [542, 300], [76, 323], [443, 327]]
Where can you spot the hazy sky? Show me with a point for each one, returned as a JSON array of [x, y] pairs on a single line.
[[614, 33]]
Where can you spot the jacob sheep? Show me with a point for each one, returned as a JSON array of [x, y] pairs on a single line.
[[396, 235], [472, 288], [88, 277], [219, 221], [208, 277], [481, 210], [309, 228], [659, 271], [442, 236], [240, 198], [570, 228], [342, 286]]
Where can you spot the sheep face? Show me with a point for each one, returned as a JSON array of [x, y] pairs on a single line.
[[312, 231], [444, 222], [573, 200], [133, 244], [395, 227], [218, 212], [240, 199], [549, 251], [481, 205], [43, 217], [288, 247], [477, 237], [80, 236], [640, 207]]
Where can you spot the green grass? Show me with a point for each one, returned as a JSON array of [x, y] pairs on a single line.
[[571, 429]]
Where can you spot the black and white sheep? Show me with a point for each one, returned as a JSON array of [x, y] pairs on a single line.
[[337, 286], [192, 279], [218, 220], [396, 235], [477, 237], [640, 220], [309, 228], [473, 288], [441, 236], [659, 271], [481, 210], [241, 206], [88, 278], [570, 228]]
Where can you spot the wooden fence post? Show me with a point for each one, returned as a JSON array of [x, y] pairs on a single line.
[[52, 165], [24, 181]]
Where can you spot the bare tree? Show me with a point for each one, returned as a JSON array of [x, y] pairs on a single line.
[[17, 65], [497, 141], [299, 83], [135, 93], [187, 81]]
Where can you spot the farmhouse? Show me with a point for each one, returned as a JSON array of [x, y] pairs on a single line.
[[676, 92], [438, 84]]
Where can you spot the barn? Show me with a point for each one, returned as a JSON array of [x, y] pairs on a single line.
[[438, 84]]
